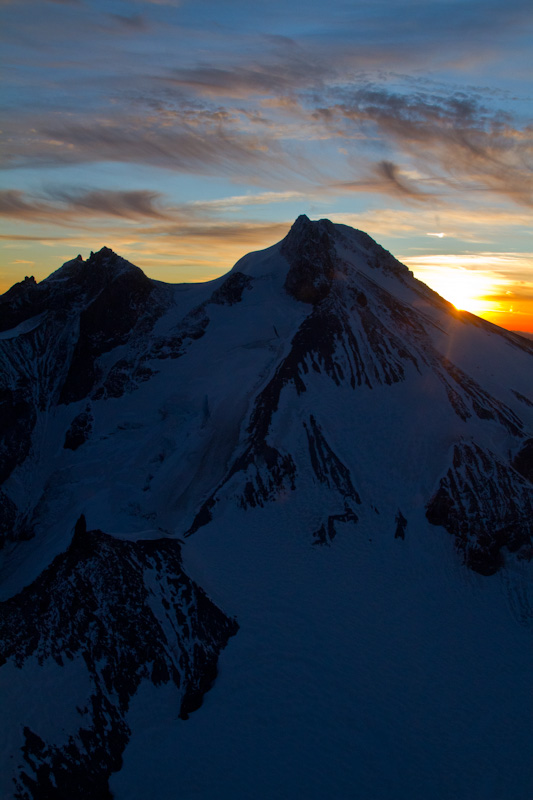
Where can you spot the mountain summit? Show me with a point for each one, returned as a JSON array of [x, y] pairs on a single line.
[[312, 471]]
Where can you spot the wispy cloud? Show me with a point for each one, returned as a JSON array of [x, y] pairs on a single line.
[[142, 222], [66, 206], [453, 140], [60, 206], [255, 109], [207, 147], [124, 23], [453, 143], [485, 225], [53, 2], [238, 201], [127, 204], [173, 3]]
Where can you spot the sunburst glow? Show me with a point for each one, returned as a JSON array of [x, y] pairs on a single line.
[[465, 290], [463, 280]]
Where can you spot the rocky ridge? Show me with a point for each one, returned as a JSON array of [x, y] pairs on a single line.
[[123, 613], [318, 384]]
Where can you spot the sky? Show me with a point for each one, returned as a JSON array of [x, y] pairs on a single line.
[[185, 133]]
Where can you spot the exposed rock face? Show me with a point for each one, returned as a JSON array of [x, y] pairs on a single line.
[[230, 292], [326, 342], [80, 430], [120, 302], [309, 249], [8, 517], [328, 530], [327, 466], [486, 505], [401, 526], [124, 612], [468, 398], [88, 308], [56, 332], [17, 420], [269, 474], [523, 398], [20, 302], [523, 461]]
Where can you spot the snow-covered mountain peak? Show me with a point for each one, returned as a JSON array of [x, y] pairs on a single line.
[[334, 451], [317, 256], [99, 270], [322, 255]]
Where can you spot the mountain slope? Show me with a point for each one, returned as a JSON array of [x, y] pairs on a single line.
[[112, 614], [347, 459]]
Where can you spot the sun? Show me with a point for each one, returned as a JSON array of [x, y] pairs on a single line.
[[469, 289], [466, 290]]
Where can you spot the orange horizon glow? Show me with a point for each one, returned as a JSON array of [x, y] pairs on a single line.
[[480, 285], [476, 283]]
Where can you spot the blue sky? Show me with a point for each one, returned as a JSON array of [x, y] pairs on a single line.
[[184, 134]]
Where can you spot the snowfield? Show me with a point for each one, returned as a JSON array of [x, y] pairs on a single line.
[[309, 483]]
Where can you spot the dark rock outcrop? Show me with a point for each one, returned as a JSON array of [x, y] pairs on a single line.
[[17, 420], [124, 612], [121, 300], [327, 531], [327, 466], [8, 518], [19, 303], [310, 250], [486, 505], [79, 431], [401, 526], [523, 460], [231, 290]]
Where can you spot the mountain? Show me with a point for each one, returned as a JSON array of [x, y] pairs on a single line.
[[308, 485]]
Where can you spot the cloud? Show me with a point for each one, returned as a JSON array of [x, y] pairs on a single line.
[[14, 205], [275, 110], [452, 139], [124, 23], [53, 2], [494, 276], [174, 3], [66, 207], [486, 226], [432, 145], [236, 202], [196, 224], [238, 81], [395, 183], [234, 233], [140, 225], [126, 204], [210, 146], [23, 237]]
